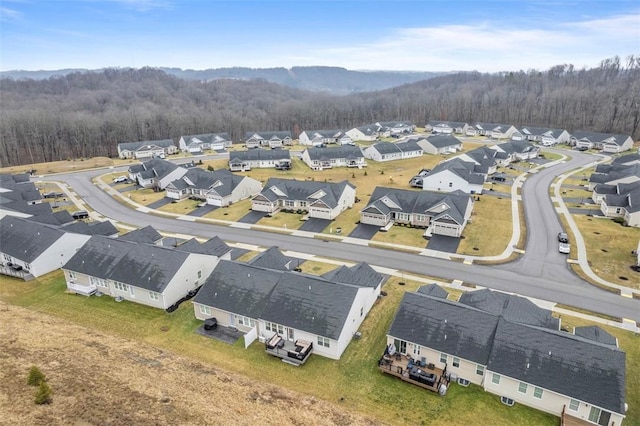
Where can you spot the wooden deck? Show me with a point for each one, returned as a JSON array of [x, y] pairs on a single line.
[[567, 420], [399, 366], [283, 353]]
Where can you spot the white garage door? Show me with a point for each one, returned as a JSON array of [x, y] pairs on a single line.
[[320, 213], [442, 229]]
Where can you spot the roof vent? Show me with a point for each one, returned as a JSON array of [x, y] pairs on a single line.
[[527, 366], [549, 353], [445, 337], [248, 275]]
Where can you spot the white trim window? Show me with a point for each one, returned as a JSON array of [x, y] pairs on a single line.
[[153, 295], [324, 341], [456, 362], [7, 257], [26, 267], [276, 328], [205, 310], [246, 321], [72, 275], [120, 286], [574, 405], [416, 349], [480, 370], [522, 387], [495, 379], [537, 392], [443, 358], [98, 282]]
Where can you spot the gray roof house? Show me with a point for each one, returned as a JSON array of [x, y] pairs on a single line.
[[147, 149], [542, 135], [612, 174], [142, 273], [276, 139], [456, 174], [323, 137], [387, 151], [155, 173], [340, 156], [214, 246], [607, 142], [243, 161], [263, 302], [369, 132], [626, 204], [443, 143], [217, 188], [273, 258], [146, 235], [323, 200], [36, 248], [516, 151], [492, 130], [626, 160], [20, 197], [514, 355], [104, 228], [439, 213], [196, 144], [446, 127]]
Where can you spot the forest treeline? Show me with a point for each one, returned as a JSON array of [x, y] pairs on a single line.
[[87, 114]]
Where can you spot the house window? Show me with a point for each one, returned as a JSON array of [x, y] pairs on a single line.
[[401, 345], [276, 328], [323, 341], [361, 310], [495, 379], [522, 387], [416, 349], [420, 217], [205, 310], [72, 275], [98, 282], [450, 184], [289, 203], [537, 392], [574, 405], [443, 358], [303, 204], [154, 296], [199, 274], [7, 257], [479, 370], [456, 362], [26, 267], [247, 322], [120, 286]]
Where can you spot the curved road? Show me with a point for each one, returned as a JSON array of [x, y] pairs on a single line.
[[541, 273]]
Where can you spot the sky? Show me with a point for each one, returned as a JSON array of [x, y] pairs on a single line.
[[411, 35]]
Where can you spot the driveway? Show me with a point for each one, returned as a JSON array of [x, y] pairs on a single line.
[[160, 203], [315, 225], [201, 211], [128, 188], [366, 232], [591, 212], [443, 243], [496, 193], [252, 217]]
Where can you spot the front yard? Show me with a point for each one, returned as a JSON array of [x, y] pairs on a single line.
[[490, 229]]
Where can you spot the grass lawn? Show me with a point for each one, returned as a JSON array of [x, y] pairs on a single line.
[[580, 178], [552, 156], [184, 206], [317, 268], [490, 230], [61, 166], [402, 235], [145, 196], [575, 193], [609, 247], [354, 378], [234, 212], [283, 220], [498, 187], [346, 220]]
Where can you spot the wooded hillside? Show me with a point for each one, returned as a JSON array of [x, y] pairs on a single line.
[[88, 114]]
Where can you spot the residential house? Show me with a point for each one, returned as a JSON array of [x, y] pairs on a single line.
[[243, 161], [147, 149], [442, 143], [20, 197], [323, 200], [515, 350], [142, 273], [626, 160], [271, 139], [262, 302], [484, 157], [217, 188], [273, 258], [625, 204], [146, 235], [606, 142], [455, 175], [327, 158], [515, 151], [439, 213], [31, 249], [155, 173], [542, 135], [493, 131], [364, 133], [387, 151], [446, 127], [617, 189], [612, 174], [196, 144], [105, 228], [324, 137], [214, 246], [394, 128]]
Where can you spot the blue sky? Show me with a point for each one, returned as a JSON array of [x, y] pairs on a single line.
[[437, 35]]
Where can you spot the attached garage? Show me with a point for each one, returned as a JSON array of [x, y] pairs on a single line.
[[448, 229], [320, 213]]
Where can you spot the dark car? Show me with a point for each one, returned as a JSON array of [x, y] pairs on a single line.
[[80, 214], [52, 194], [563, 237]]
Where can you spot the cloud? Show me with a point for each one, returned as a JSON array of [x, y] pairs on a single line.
[[493, 46], [9, 15]]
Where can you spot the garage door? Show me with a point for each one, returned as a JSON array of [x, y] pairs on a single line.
[[320, 213], [215, 201], [443, 229]]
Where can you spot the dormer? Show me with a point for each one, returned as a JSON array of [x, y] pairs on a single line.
[[318, 194], [440, 207], [389, 203], [277, 191]]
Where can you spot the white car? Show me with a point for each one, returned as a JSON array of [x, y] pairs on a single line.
[[120, 179], [564, 248]]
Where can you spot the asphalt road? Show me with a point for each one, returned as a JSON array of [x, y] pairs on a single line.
[[541, 273]]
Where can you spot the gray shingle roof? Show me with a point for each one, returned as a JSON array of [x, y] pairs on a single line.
[[558, 361], [135, 146], [207, 138], [28, 239], [272, 258], [443, 141], [512, 308], [268, 135], [626, 159], [223, 180], [420, 202], [445, 326], [155, 167], [105, 228], [433, 290], [259, 154], [464, 169], [360, 274], [56, 218], [147, 235], [335, 152], [519, 147], [295, 300], [452, 124], [302, 190], [600, 137], [335, 133], [142, 265], [214, 246], [592, 332], [541, 131]]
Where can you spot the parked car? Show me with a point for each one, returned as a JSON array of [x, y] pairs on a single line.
[[80, 214], [564, 248], [581, 148], [53, 194], [120, 179], [563, 237]]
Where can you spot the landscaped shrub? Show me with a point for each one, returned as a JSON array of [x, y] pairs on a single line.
[[619, 220], [43, 394], [35, 376]]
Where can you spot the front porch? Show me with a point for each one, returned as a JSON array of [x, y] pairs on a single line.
[[425, 375]]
